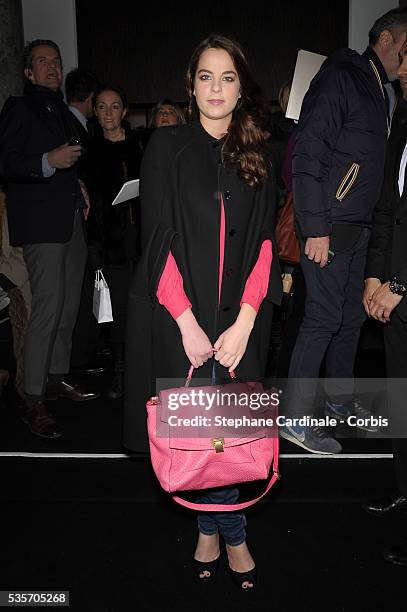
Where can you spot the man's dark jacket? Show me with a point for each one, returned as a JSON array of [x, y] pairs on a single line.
[[182, 181], [38, 209], [387, 253], [340, 147]]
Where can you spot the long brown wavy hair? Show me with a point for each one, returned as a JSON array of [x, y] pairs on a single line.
[[244, 146]]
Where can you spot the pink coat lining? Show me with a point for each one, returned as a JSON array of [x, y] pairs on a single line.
[[171, 293]]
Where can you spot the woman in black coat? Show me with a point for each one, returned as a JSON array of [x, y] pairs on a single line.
[[192, 178], [113, 157]]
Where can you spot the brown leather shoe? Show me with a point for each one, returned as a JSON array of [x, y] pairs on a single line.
[[72, 392], [41, 422]]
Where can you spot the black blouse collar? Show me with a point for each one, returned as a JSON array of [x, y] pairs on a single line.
[[205, 136]]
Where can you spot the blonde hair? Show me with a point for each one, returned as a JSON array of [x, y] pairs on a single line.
[[284, 96]]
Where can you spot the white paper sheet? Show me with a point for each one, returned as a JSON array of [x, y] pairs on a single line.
[[128, 191], [306, 68]]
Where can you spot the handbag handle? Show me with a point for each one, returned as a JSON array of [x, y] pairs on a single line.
[[191, 371], [233, 507]]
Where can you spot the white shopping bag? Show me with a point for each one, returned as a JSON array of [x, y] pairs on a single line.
[[102, 306]]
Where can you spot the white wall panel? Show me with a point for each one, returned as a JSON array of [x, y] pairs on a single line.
[[362, 15], [55, 20]]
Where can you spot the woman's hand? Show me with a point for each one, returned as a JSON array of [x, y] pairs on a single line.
[[196, 343], [231, 345]]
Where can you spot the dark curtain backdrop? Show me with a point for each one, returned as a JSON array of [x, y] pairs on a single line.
[[146, 48]]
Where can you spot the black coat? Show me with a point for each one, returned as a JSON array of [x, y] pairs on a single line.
[[387, 253], [113, 230], [182, 178], [340, 145], [38, 209]]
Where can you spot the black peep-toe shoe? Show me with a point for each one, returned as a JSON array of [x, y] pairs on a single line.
[[240, 577], [206, 566]]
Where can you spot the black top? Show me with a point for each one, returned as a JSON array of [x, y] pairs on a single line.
[[109, 165]]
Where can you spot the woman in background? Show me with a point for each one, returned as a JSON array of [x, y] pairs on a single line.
[[113, 157], [166, 113]]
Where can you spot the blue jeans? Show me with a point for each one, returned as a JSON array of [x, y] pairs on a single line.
[[231, 525]]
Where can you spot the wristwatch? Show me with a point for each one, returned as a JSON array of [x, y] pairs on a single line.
[[396, 286]]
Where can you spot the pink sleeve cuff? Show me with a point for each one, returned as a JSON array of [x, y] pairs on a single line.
[[170, 291], [257, 284]]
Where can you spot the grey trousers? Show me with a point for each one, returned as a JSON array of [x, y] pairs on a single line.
[[55, 271]]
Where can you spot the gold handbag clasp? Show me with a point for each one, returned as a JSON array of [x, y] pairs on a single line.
[[218, 444]]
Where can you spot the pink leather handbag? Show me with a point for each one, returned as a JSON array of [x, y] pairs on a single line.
[[194, 463]]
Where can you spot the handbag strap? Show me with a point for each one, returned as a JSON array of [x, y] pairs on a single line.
[[191, 371], [242, 505]]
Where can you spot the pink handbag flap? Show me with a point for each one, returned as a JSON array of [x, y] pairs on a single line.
[[239, 389], [204, 403]]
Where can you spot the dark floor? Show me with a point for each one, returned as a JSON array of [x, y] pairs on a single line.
[[118, 554]]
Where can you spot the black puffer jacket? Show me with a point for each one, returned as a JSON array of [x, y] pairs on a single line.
[[340, 148]]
